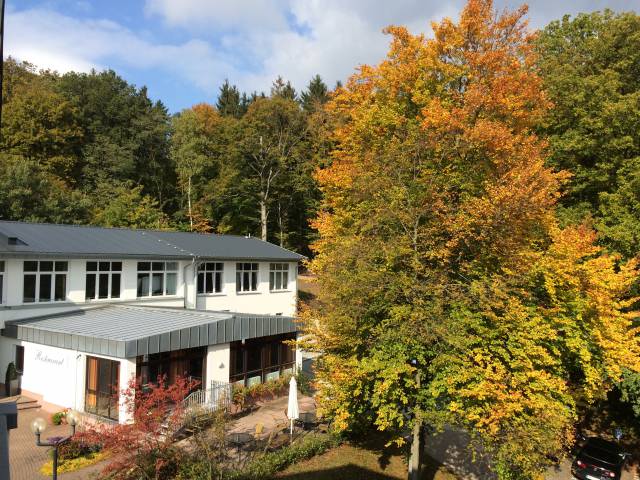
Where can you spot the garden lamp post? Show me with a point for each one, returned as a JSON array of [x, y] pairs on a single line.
[[39, 425]]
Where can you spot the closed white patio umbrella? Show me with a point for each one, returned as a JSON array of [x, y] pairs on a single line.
[[292, 409]]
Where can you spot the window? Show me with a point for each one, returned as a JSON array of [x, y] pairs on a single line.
[[278, 276], [44, 281], [157, 278], [1, 280], [103, 280], [210, 277], [246, 277], [261, 359], [186, 363]]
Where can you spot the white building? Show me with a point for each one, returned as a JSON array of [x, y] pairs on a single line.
[[84, 310]]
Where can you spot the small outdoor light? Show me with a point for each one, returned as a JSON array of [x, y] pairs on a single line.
[[39, 425]]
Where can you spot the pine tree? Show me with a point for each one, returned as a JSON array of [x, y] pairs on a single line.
[[229, 101], [315, 95], [283, 90]]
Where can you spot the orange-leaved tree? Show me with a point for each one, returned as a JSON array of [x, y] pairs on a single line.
[[440, 259]]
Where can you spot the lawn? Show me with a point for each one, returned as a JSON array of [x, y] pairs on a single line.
[[352, 462]]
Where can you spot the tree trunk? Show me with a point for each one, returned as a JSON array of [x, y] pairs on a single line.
[[280, 224], [263, 218], [189, 202], [416, 442]]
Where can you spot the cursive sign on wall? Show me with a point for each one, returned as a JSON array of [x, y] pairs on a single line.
[[43, 357]]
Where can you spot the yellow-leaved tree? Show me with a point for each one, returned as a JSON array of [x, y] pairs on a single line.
[[439, 253]]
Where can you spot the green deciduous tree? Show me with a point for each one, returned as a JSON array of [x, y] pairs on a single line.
[[272, 138], [30, 193], [125, 133], [196, 135], [591, 70], [125, 205]]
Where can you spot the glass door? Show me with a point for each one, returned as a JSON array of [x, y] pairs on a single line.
[[102, 387]]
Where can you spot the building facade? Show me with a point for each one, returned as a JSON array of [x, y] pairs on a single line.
[[85, 310]]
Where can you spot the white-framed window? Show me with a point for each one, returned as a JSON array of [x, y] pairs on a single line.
[[278, 276], [210, 277], [157, 278], [246, 277], [103, 280], [44, 281], [1, 281]]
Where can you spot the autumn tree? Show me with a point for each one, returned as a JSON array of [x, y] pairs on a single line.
[[145, 447], [440, 261]]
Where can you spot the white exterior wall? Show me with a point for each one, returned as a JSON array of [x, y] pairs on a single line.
[[127, 373], [217, 364], [58, 374], [261, 301]]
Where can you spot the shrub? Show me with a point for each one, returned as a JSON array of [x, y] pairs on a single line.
[[267, 465], [57, 418], [246, 396], [78, 446], [304, 383], [11, 373]]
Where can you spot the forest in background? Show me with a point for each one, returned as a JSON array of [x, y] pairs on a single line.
[[90, 148]]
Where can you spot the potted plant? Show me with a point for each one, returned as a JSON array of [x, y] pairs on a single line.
[[11, 381]]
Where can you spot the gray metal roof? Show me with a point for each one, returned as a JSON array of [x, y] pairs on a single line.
[[128, 331], [83, 242]]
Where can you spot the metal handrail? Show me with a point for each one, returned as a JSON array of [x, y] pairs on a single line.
[[213, 398]]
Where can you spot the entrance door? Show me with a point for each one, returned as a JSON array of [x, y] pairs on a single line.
[[102, 387]]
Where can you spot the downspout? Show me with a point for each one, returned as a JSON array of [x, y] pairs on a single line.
[[195, 286]]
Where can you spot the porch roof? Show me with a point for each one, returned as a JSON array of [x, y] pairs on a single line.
[[127, 331]]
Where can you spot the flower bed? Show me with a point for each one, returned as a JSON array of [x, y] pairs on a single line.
[[79, 452]]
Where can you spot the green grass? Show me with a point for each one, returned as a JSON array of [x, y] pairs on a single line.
[[353, 462]]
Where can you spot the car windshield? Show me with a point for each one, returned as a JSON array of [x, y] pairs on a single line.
[[596, 453]]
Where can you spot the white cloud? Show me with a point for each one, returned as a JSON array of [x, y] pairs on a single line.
[[249, 42], [297, 38], [333, 37], [221, 15], [52, 40]]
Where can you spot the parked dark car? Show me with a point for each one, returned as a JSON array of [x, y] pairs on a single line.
[[599, 459]]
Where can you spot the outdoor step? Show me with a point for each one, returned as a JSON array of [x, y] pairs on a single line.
[[25, 403]]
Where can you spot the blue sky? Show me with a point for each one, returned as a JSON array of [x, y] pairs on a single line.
[[182, 50]]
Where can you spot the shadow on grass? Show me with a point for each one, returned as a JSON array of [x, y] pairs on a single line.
[[344, 472], [306, 296]]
